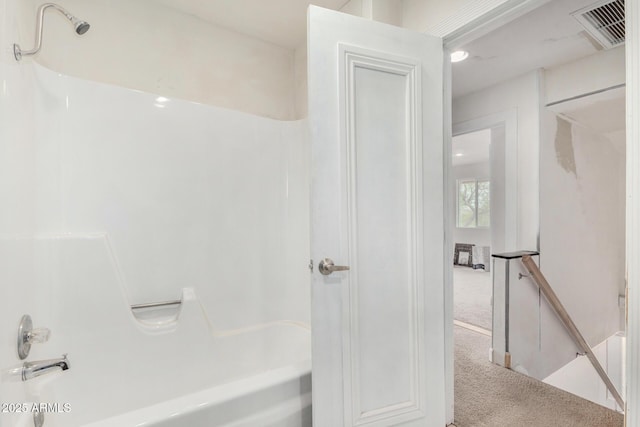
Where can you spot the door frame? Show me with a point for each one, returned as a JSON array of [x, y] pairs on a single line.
[[473, 21], [509, 120], [632, 232]]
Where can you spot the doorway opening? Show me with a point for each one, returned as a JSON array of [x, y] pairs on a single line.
[[472, 284], [567, 95]]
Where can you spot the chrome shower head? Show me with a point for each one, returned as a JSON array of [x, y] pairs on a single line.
[[80, 26]]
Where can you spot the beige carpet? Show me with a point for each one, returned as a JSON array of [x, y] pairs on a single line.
[[488, 395], [472, 291]]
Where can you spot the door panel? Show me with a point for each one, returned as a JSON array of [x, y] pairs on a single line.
[[376, 128], [382, 234]]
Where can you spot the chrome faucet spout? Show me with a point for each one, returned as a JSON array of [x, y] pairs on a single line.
[[35, 369]]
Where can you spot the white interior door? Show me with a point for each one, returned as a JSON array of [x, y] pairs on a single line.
[[375, 100]]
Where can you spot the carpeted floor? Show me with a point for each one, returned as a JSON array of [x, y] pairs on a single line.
[[472, 292], [487, 395]]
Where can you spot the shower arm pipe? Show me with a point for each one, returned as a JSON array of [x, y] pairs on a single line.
[[39, 28], [18, 52]]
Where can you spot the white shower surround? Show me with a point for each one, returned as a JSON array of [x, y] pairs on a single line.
[[141, 199], [189, 195]]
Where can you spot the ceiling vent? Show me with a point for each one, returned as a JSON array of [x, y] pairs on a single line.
[[604, 21]]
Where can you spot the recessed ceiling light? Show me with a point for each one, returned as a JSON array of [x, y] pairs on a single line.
[[459, 55], [459, 154]]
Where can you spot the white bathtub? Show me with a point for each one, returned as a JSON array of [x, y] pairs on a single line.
[[278, 398], [255, 378], [269, 384], [131, 372]]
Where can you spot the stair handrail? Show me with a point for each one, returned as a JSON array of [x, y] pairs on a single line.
[[559, 309]]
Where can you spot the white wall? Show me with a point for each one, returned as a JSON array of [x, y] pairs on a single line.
[[580, 217], [300, 72], [499, 223], [387, 11], [420, 15], [582, 199], [582, 224], [476, 236], [578, 377], [602, 70], [147, 46], [17, 215], [521, 94]]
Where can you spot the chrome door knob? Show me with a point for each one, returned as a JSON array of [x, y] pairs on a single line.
[[326, 267]]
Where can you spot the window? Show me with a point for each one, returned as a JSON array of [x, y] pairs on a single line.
[[473, 203]]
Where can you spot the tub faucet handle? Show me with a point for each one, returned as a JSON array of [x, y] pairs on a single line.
[[27, 335], [38, 335]]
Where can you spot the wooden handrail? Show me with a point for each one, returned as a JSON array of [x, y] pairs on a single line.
[[557, 306]]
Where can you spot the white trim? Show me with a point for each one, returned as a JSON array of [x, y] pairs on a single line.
[[449, 207], [480, 17], [469, 23], [508, 119], [473, 328], [367, 9], [633, 213]]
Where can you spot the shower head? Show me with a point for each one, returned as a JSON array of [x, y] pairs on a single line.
[[80, 26]]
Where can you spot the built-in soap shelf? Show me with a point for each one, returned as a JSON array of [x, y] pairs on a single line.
[[157, 314], [161, 314]]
